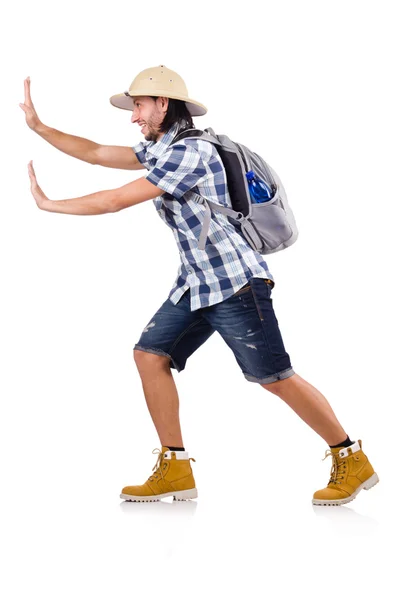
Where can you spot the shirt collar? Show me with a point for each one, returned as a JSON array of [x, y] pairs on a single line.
[[156, 149]]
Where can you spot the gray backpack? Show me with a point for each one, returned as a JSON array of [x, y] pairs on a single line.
[[269, 226]]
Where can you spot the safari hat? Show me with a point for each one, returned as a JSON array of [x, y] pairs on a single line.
[[158, 81]]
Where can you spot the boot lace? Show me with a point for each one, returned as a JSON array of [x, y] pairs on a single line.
[[338, 467], [159, 466]]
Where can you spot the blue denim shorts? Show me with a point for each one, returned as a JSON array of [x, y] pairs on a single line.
[[246, 321]]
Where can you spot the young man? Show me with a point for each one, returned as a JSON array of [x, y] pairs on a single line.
[[225, 288]]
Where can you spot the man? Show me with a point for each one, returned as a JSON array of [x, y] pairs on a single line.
[[225, 288]]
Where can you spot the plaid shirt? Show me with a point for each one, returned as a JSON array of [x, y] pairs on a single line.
[[189, 168]]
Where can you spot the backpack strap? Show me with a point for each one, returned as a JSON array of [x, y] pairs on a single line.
[[197, 134], [237, 216], [207, 217], [209, 135]]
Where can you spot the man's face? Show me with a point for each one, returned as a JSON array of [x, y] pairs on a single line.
[[149, 114]]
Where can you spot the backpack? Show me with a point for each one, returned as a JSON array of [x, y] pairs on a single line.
[[269, 226]]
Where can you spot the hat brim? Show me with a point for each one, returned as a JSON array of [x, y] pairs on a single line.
[[196, 109]]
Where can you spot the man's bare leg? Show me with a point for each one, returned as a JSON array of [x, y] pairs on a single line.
[[163, 401], [310, 405], [161, 396]]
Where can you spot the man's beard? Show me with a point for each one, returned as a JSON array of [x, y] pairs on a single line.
[[151, 136]]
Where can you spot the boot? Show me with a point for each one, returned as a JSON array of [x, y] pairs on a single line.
[[351, 472], [172, 476]]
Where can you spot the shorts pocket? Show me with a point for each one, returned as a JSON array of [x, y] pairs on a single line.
[[244, 289]]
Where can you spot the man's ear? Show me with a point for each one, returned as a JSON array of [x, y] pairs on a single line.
[[163, 101]]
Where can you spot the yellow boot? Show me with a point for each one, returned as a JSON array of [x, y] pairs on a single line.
[[172, 476], [351, 472]]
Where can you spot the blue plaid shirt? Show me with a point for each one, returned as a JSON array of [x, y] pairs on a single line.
[[188, 168]]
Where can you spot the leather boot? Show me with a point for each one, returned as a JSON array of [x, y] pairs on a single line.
[[351, 472], [172, 476]]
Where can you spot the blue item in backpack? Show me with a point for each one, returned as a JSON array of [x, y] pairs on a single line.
[[259, 190]]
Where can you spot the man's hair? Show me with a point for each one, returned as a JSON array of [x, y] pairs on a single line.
[[176, 113]]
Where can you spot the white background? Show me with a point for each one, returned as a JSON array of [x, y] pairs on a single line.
[[309, 85]]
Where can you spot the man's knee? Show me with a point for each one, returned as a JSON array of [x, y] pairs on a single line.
[[278, 387], [273, 387], [147, 360]]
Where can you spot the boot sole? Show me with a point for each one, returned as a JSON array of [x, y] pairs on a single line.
[[180, 495], [367, 485]]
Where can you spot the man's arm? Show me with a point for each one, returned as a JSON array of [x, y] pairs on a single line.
[[134, 193], [117, 157], [105, 201]]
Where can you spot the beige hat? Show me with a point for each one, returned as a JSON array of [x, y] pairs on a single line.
[[158, 81]]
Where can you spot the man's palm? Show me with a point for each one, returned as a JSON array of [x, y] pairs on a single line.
[[30, 113]]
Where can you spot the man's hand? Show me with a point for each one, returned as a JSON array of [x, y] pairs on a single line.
[[37, 192], [30, 113]]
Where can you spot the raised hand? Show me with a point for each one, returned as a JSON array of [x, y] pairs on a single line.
[[30, 113], [37, 192]]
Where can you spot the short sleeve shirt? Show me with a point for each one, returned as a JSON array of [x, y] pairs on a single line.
[[187, 170]]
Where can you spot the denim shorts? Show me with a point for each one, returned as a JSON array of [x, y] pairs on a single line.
[[246, 321]]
